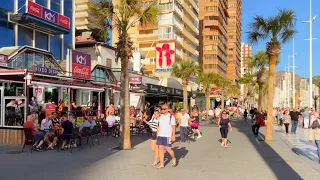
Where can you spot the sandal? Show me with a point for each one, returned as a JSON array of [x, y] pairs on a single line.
[[160, 167], [174, 162], [154, 164]]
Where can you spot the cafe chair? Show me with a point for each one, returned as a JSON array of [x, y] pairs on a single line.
[[74, 138], [94, 135], [28, 138], [85, 134]]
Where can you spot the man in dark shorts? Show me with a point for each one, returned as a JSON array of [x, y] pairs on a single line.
[[295, 116]]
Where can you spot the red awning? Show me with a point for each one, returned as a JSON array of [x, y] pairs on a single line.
[[6, 72]]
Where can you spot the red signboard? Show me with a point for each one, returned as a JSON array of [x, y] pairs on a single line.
[[135, 80], [81, 65], [50, 108], [48, 15], [34, 9], [3, 60], [64, 21]]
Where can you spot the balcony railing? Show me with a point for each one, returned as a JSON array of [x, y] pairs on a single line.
[[170, 7], [170, 36]]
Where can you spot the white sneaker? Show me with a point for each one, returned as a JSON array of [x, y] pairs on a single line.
[[222, 144], [199, 137], [225, 146]]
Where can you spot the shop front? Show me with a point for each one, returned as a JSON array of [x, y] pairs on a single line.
[[31, 76]]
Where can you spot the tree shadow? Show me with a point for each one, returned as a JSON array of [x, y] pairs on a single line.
[[279, 166], [179, 153]]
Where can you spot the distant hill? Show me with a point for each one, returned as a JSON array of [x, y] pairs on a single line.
[[280, 74]]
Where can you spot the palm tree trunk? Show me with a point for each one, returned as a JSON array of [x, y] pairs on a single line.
[[125, 142], [260, 97], [185, 97], [207, 102], [272, 62], [222, 102]]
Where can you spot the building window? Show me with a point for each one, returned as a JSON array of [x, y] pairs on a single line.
[[25, 36], [68, 44], [55, 5], [21, 6], [41, 40], [6, 28], [85, 97], [42, 2], [55, 46], [210, 47]]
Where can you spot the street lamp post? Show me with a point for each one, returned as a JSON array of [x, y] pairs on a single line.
[[293, 80], [311, 20]]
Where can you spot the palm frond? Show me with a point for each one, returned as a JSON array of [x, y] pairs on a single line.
[[185, 70], [287, 35]]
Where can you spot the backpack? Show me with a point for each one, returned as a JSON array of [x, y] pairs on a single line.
[[260, 120]]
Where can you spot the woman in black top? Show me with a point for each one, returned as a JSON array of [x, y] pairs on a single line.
[[245, 114], [224, 124]]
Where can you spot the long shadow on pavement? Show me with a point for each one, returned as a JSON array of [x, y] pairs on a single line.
[[276, 163], [178, 153]]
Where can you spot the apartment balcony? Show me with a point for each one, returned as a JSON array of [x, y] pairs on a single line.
[[189, 10], [214, 23], [171, 36], [167, 8], [191, 25], [82, 22], [82, 14], [82, 7], [150, 37], [190, 36], [81, 1], [194, 5], [189, 48], [147, 27]]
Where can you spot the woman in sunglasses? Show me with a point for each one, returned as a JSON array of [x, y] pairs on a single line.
[[224, 125]]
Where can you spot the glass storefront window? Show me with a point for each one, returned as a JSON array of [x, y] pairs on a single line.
[[15, 111], [25, 36], [85, 97], [41, 40]]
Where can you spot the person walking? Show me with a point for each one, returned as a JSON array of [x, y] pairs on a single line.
[[195, 122], [245, 115], [257, 123], [184, 124], [306, 118], [153, 124], [314, 134], [313, 116], [211, 115], [295, 116], [224, 125], [286, 120], [166, 135]]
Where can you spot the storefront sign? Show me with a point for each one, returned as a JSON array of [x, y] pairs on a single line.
[[132, 110], [153, 88], [44, 70], [38, 93], [135, 80], [165, 56], [50, 108], [178, 92], [48, 15], [3, 60], [162, 90], [81, 65]]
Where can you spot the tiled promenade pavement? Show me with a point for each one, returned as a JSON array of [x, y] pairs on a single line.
[[205, 159], [299, 142]]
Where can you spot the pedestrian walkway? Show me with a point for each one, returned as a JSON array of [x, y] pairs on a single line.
[[244, 159], [299, 142]]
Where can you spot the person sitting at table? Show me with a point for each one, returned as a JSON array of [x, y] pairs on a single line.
[[65, 132], [111, 120], [47, 128], [92, 122], [38, 136], [85, 123]]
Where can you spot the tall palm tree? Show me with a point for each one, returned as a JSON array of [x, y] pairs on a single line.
[[259, 61], [248, 80], [185, 70], [207, 80], [225, 87], [124, 15], [276, 30]]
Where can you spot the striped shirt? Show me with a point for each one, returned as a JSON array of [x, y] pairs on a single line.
[[154, 124]]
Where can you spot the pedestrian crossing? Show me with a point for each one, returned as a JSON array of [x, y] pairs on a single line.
[[300, 141]]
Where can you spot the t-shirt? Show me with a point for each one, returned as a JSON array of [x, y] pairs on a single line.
[[111, 120], [210, 112], [84, 124], [196, 118], [48, 125], [224, 123], [93, 124], [165, 126], [30, 125], [67, 127], [294, 115], [184, 120]]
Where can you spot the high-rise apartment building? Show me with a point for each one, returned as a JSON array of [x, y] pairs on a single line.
[[172, 39], [234, 39], [213, 16], [81, 14], [245, 53]]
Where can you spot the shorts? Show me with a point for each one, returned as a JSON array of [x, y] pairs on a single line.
[[65, 137], [224, 132], [39, 137], [164, 141], [195, 125], [154, 135]]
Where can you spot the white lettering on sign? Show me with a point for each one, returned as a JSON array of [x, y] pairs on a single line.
[[81, 60], [84, 71], [50, 17], [2, 58], [35, 9], [64, 21]]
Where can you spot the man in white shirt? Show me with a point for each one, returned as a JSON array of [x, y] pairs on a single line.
[[111, 120], [184, 124], [166, 135], [211, 115], [218, 112]]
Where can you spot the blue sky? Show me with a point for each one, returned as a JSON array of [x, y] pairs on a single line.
[[267, 8]]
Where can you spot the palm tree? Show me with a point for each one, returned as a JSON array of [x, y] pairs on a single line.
[[258, 62], [276, 30], [207, 80], [225, 87], [185, 70], [248, 81], [124, 15]]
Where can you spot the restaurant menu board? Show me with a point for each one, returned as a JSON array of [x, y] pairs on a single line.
[[78, 122], [50, 108]]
